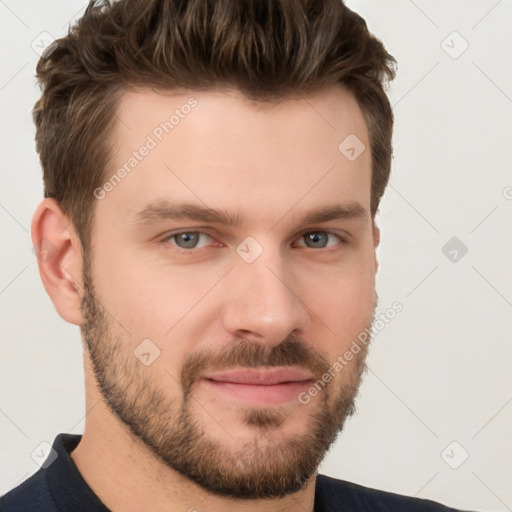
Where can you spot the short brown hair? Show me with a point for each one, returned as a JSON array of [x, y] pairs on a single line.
[[266, 49]]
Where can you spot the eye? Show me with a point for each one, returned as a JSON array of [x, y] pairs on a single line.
[[320, 239], [188, 239]]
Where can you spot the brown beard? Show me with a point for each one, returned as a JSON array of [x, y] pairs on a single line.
[[263, 467]]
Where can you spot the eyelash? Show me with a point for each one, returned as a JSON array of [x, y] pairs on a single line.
[[168, 238]]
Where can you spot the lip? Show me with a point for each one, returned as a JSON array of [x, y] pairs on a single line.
[[261, 377], [259, 386]]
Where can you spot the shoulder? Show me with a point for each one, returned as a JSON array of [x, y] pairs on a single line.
[[33, 494], [332, 495]]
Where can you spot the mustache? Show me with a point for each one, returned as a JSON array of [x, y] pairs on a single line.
[[252, 354]]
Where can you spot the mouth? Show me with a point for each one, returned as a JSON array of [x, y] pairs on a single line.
[[265, 386]]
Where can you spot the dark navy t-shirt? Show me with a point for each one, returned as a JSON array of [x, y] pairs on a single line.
[[59, 487]]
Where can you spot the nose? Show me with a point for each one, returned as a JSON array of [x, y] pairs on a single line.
[[263, 302]]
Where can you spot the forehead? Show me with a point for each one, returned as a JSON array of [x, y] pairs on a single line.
[[218, 149], [330, 111]]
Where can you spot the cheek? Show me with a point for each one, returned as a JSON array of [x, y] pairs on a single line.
[[346, 302], [157, 301], [129, 286], [347, 306]]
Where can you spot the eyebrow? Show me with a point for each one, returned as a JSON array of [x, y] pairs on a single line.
[[164, 210]]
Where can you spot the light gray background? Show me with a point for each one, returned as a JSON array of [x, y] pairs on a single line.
[[440, 371]]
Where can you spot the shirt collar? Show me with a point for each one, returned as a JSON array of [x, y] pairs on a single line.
[[68, 488]]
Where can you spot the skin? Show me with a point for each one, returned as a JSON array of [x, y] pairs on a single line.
[[270, 166]]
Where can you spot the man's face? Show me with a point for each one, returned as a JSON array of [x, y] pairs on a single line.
[[207, 336]]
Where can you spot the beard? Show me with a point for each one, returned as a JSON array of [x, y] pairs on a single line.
[[269, 464]]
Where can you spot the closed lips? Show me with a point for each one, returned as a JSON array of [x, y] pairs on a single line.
[[265, 377]]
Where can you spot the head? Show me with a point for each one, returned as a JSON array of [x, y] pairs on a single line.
[[242, 237]]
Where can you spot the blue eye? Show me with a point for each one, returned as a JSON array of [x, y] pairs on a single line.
[[319, 239], [188, 239]]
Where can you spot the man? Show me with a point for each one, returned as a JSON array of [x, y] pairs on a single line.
[[212, 174]]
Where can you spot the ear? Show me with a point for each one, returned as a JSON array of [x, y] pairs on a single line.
[[59, 257], [376, 242]]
